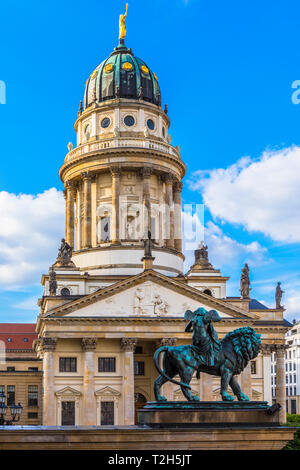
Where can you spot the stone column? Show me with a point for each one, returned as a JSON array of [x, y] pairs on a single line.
[[246, 381], [69, 222], [146, 174], [49, 402], [168, 388], [115, 210], [169, 213], [128, 346], [266, 359], [89, 401], [86, 176], [177, 187], [280, 381]]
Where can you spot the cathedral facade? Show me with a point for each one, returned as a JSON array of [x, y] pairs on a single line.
[[118, 290]]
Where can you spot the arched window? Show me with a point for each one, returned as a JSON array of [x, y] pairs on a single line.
[[105, 229], [65, 292], [87, 132], [207, 292]]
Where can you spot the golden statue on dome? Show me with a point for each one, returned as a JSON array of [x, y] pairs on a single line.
[[122, 28]]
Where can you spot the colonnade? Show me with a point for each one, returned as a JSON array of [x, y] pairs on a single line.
[[172, 208]]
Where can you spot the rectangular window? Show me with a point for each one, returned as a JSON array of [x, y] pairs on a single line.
[[286, 379], [67, 364], [68, 413], [107, 413], [295, 391], [290, 366], [291, 390], [139, 368], [106, 364], [295, 380], [33, 369], [253, 367], [32, 415], [138, 350], [32, 395], [293, 407], [2, 389], [10, 369], [11, 399]]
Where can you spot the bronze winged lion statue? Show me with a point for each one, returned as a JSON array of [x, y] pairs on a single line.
[[226, 358]]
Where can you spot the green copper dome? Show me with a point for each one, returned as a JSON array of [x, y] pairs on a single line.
[[122, 75]]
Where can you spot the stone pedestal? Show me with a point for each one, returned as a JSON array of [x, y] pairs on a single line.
[[181, 414]]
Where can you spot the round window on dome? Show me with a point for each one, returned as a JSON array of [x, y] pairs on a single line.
[[108, 68], [129, 120], [127, 66], [150, 124], [105, 122], [144, 69]]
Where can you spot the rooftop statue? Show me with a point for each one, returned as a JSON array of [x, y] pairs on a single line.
[[226, 358], [278, 295], [245, 283], [64, 255], [122, 28]]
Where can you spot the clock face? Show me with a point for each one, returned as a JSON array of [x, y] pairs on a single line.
[[129, 120], [127, 66], [105, 122], [150, 124]]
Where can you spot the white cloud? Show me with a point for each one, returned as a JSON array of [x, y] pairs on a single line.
[[29, 303], [30, 230], [225, 251], [261, 195]]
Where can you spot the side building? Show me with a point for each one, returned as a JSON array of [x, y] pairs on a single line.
[[292, 369], [21, 371]]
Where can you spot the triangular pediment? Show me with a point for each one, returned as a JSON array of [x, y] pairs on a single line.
[[67, 391], [107, 391], [149, 294]]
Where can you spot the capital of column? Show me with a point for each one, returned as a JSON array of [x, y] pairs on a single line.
[[88, 344], [167, 178], [48, 344], [266, 349], [167, 342], [128, 344], [279, 349], [86, 175], [146, 172], [115, 171], [177, 187]]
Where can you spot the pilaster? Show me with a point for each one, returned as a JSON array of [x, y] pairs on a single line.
[[128, 346], [89, 403]]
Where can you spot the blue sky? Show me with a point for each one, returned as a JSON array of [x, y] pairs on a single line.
[[226, 71]]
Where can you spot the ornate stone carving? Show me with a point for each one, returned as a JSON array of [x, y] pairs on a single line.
[[266, 349], [86, 175], [201, 258], [70, 146], [146, 172], [167, 178], [128, 344], [168, 341], [52, 281], [138, 300], [245, 283], [278, 296], [279, 349], [161, 307], [89, 344], [115, 171], [48, 344], [177, 187], [64, 255]]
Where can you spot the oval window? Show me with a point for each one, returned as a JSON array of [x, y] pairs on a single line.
[[105, 122], [129, 121], [150, 124]]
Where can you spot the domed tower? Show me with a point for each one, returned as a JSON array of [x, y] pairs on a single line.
[[123, 179]]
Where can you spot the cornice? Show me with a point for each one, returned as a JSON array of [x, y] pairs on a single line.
[[109, 152]]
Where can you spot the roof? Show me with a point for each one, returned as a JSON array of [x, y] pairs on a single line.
[[287, 323], [18, 335], [122, 75], [256, 305]]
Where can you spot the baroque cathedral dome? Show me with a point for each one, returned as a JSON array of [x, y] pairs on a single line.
[[122, 75]]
